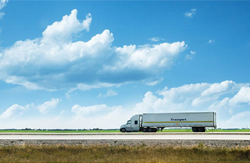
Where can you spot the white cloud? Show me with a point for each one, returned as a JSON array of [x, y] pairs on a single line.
[[55, 61], [96, 116], [213, 97], [155, 56], [60, 33], [45, 107], [109, 93], [226, 98], [82, 86], [1, 15], [95, 110], [239, 120], [211, 41], [191, 13], [155, 82], [190, 56], [87, 22], [16, 109], [230, 100], [156, 39], [192, 52], [222, 87], [243, 96], [99, 116], [3, 3]]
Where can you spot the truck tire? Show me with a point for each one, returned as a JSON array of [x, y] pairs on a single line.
[[123, 130], [194, 129], [201, 129], [144, 130]]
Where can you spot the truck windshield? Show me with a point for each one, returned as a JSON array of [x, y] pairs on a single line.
[[128, 122]]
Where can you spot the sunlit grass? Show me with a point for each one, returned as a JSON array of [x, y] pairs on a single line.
[[58, 131], [107, 153], [209, 130], [109, 131]]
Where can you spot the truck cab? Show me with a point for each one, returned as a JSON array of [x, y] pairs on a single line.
[[133, 124]]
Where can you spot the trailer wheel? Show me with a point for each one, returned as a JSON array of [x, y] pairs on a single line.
[[149, 129], [123, 130]]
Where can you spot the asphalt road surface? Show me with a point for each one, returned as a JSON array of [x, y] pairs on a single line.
[[181, 136]]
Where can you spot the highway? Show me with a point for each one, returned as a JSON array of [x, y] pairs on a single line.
[[115, 136]]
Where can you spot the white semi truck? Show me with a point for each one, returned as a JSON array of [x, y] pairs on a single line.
[[151, 122]]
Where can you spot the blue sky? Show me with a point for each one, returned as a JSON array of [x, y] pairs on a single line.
[[86, 64]]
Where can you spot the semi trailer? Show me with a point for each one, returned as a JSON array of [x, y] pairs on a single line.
[[152, 122]]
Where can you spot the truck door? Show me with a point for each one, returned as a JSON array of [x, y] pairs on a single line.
[[129, 127], [135, 123]]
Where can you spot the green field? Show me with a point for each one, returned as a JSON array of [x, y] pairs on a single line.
[[107, 131], [122, 153], [210, 130], [55, 131]]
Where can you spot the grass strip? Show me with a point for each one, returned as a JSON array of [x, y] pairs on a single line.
[[107, 153], [108, 131], [58, 131]]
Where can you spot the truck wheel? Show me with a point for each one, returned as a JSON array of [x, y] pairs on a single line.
[[123, 130], [201, 129], [149, 129], [194, 129], [144, 130]]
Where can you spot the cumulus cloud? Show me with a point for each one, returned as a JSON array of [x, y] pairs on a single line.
[[16, 109], [55, 61], [227, 98], [243, 96], [239, 120], [1, 15], [62, 31], [230, 100], [190, 13], [156, 39], [109, 93], [45, 107], [190, 56], [215, 91], [95, 110], [99, 116], [3, 3], [155, 82], [95, 116], [211, 41]]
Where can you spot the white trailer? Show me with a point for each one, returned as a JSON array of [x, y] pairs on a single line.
[[151, 122]]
